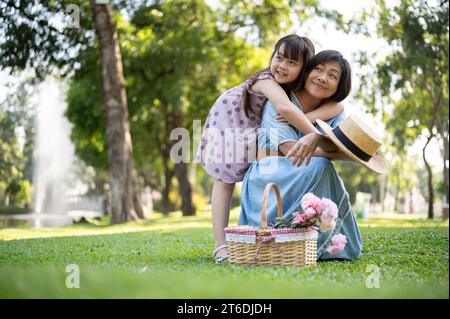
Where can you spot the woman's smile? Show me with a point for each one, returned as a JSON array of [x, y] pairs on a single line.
[[317, 85]]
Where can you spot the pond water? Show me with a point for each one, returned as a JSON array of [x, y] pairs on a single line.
[[45, 220]]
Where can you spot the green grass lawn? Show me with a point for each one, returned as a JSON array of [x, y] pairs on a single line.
[[170, 257]]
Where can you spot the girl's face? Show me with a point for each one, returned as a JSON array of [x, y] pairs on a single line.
[[322, 82], [283, 69]]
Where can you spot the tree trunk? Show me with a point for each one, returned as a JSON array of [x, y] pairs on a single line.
[[182, 174], [445, 158], [397, 195], [184, 187], [430, 181], [165, 200], [124, 201], [443, 132], [445, 161], [383, 189], [411, 208], [136, 203]]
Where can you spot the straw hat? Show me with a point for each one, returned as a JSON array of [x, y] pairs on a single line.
[[358, 141]]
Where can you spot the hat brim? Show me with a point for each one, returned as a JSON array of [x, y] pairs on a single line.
[[376, 162]]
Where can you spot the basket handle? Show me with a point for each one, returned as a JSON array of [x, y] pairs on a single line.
[[264, 203]]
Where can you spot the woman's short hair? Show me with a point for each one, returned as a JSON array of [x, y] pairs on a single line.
[[345, 82]]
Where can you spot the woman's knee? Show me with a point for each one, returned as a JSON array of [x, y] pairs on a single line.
[[317, 166], [320, 161]]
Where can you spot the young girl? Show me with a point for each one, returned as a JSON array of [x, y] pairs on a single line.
[[228, 143]]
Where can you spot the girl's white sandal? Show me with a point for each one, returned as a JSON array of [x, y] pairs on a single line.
[[219, 259]]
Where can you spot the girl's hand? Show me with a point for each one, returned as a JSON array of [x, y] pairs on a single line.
[[304, 149], [281, 119]]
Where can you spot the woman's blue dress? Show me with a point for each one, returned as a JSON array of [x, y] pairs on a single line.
[[319, 177]]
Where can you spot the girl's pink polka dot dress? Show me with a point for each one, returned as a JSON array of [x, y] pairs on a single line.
[[229, 138]]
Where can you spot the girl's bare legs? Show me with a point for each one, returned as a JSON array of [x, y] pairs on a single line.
[[220, 206]]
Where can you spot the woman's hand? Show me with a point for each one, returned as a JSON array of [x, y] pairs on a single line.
[[304, 149]]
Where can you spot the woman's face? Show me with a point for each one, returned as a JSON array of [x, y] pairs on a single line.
[[283, 69], [323, 80]]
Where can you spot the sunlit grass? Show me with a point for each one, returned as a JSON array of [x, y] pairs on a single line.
[[170, 257], [176, 221]]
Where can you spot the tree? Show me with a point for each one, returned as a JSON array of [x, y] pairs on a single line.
[[124, 200], [11, 159], [414, 76], [31, 38], [16, 142]]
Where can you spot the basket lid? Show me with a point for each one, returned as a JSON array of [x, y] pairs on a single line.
[[251, 230], [241, 230]]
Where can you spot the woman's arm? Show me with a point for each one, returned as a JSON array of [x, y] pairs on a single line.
[[333, 156], [338, 155]]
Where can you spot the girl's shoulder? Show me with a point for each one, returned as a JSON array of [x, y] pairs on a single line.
[[261, 75]]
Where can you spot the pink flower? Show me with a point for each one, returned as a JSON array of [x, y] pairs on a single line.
[[333, 249], [310, 213], [338, 244], [310, 200], [329, 207], [327, 226], [328, 215], [327, 218], [298, 218], [339, 239]]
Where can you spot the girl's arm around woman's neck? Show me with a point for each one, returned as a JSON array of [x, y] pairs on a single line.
[[325, 112]]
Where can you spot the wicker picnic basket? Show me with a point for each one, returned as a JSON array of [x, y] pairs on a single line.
[[270, 246]]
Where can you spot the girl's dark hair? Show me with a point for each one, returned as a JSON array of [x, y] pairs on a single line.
[[345, 82], [295, 48]]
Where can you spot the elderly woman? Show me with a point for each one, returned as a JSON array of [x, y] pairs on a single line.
[[328, 79]]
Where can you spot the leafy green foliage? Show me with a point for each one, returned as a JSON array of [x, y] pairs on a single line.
[[418, 67], [36, 34], [413, 78], [16, 159], [358, 178], [281, 222], [11, 159], [87, 112]]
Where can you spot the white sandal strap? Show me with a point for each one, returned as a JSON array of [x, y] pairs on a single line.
[[218, 248], [219, 260]]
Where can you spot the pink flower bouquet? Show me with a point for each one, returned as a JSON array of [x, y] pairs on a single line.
[[316, 212]]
